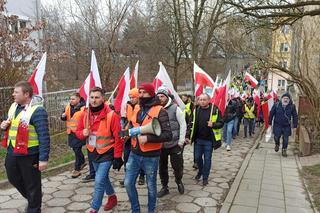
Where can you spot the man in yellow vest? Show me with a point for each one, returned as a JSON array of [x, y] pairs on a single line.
[[28, 144], [71, 115], [249, 116], [206, 134]]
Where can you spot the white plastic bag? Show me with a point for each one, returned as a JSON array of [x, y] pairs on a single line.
[[268, 134]]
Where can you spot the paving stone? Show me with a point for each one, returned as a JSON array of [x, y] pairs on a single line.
[[13, 204], [68, 187], [210, 209], [205, 201], [49, 190], [46, 197], [182, 199], [8, 191], [267, 201], [77, 206], [63, 193], [268, 209], [54, 210], [272, 194], [198, 193], [122, 196], [213, 189], [11, 211], [188, 207], [4, 198], [58, 202], [52, 184], [81, 198], [291, 209], [58, 178], [244, 209], [85, 190]]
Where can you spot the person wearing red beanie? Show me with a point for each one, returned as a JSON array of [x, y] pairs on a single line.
[[149, 88]]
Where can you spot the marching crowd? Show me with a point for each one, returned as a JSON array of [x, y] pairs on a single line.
[[115, 141]]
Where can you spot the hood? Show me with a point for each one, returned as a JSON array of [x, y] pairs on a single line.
[[37, 100], [168, 103], [286, 95]]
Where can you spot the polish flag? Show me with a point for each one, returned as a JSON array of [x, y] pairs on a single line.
[[266, 108], [198, 90], [201, 77], [222, 97], [251, 79], [163, 78], [120, 102], [273, 94], [134, 77], [36, 79], [256, 99], [92, 80]]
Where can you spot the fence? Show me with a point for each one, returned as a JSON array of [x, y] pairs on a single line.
[[54, 102]]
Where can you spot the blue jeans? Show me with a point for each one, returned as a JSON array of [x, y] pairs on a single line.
[[102, 183], [133, 167], [285, 140], [227, 132], [203, 148], [235, 127]]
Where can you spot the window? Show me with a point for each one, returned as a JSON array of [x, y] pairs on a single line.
[[23, 24], [281, 83], [285, 29], [284, 47], [284, 64], [14, 27]]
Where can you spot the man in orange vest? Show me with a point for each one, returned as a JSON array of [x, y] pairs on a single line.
[[71, 115], [134, 99], [145, 149], [101, 132]]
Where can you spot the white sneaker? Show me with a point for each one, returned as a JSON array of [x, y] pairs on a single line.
[[225, 145], [228, 148]]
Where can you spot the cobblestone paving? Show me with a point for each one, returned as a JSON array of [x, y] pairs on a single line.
[[64, 194]]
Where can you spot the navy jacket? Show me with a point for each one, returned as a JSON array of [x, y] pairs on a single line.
[[281, 117]]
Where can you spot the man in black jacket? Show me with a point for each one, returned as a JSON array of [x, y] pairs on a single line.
[[208, 119], [146, 148], [229, 116]]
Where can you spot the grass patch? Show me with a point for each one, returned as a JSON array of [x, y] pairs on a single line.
[[312, 177]]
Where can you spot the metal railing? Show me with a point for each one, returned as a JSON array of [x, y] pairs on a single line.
[[54, 102]]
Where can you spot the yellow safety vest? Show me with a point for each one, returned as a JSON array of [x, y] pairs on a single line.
[[33, 137], [216, 132], [187, 109], [248, 112]]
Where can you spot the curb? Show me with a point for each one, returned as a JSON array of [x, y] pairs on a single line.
[[236, 183], [305, 185]]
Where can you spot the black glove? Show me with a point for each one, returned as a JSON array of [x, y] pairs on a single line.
[[117, 163]]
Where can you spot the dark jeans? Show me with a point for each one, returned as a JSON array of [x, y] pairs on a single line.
[[150, 166], [126, 153], [248, 122], [79, 158], [285, 141], [24, 175], [91, 168], [203, 151], [176, 160]]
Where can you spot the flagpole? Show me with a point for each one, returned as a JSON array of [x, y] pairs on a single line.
[[113, 93], [88, 113]]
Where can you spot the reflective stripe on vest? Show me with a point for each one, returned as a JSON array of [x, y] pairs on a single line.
[[104, 137], [72, 122], [187, 109], [153, 113], [32, 136], [216, 132], [248, 112]]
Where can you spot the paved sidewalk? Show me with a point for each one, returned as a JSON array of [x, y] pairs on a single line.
[[271, 184], [63, 194]]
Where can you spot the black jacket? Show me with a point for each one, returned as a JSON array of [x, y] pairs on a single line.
[[166, 134], [231, 111]]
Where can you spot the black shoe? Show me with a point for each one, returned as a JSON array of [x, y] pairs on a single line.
[[197, 177], [164, 191], [180, 187], [276, 148], [205, 182], [141, 180], [88, 178], [195, 166], [121, 183], [284, 153]]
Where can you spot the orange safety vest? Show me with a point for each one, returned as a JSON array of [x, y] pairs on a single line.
[[130, 110], [72, 122], [153, 113], [104, 137]]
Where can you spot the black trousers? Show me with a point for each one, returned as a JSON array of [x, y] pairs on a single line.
[[79, 158], [176, 159], [248, 122], [24, 175]]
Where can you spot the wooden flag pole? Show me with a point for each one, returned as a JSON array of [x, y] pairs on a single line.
[[108, 101]]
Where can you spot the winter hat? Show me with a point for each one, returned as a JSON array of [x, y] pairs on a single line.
[[134, 93], [286, 95], [148, 87], [163, 90]]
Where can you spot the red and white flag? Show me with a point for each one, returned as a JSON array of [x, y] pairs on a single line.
[[92, 80], [222, 97], [273, 94], [198, 90], [201, 77], [266, 108], [163, 78], [120, 102], [134, 77], [251, 79], [256, 99], [36, 79]]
